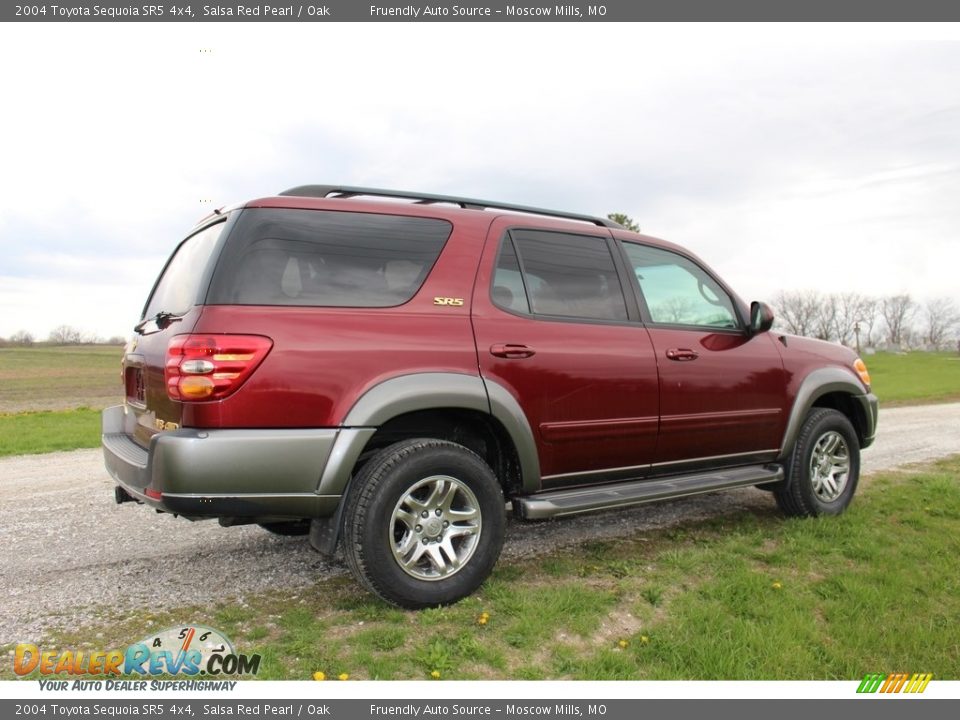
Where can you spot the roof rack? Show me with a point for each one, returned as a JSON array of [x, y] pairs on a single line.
[[346, 191]]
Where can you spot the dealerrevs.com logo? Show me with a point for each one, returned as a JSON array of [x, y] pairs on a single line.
[[191, 650], [895, 683]]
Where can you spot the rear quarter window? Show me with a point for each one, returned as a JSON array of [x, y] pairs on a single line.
[[326, 258]]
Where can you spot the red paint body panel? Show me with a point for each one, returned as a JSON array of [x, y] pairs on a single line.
[[324, 359], [803, 355], [731, 399], [590, 391]]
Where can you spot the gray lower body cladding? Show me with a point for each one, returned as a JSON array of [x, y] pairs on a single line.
[[232, 473]]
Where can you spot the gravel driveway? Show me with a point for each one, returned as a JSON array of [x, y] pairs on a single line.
[[70, 551]]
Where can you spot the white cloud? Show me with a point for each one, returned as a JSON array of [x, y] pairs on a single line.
[[815, 156]]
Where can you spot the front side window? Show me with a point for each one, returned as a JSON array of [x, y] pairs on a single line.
[[322, 258], [678, 291], [563, 275]]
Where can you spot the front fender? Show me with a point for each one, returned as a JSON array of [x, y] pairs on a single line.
[[821, 382]]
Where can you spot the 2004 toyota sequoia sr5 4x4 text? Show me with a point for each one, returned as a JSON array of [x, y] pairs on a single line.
[[386, 375]]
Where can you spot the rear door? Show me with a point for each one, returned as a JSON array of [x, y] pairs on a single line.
[[555, 328], [172, 309], [722, 391]]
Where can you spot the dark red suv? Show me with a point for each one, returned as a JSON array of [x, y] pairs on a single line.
[[386, 371]]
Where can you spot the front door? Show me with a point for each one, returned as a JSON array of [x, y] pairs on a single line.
[[723, 393]]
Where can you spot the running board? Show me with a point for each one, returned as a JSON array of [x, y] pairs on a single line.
[[581, 500]]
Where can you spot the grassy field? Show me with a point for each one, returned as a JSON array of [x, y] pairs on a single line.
[[743, 598], [57, 379], [915, 378], [47, 431]]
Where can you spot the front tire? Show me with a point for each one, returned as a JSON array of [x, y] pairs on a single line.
[[424, 523], [824, 467]]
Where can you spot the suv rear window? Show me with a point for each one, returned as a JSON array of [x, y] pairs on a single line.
[[179, 285], [326, 258]]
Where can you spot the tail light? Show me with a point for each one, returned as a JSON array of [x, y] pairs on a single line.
[[211, 367]]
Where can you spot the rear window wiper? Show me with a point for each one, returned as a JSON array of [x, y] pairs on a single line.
[[162, 319]]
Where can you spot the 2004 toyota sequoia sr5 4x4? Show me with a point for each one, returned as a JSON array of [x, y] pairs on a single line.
[[385, 375]]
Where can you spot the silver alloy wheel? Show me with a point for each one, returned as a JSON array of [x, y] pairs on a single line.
[[435, 527], [830, 466]]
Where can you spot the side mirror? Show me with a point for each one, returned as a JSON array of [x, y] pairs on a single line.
[[761, 317]]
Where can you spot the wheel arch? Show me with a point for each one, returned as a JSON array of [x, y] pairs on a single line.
[[832, 388], [446, 406]]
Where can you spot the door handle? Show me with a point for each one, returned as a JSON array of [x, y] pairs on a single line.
[[511, 351], [681, 354]]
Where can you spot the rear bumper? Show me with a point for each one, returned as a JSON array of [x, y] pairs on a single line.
[[253, 473]]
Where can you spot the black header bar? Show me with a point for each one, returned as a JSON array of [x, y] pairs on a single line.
[[480, 11]]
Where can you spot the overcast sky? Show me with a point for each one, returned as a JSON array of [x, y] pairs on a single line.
[[805, 157]]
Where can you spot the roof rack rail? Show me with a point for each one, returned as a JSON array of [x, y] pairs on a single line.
[[347, 191]]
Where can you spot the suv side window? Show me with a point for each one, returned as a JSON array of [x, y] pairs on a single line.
[[678, 291], [560, 274], [323, 258]]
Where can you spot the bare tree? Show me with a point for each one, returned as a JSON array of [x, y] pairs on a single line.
[[941, 318], [852, 310], [65, 335], [897, 311], [797, 310], [825, 318], [868, 321], [21, 337]]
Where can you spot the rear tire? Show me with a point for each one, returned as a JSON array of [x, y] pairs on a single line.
[[424, 523], [824, 468]]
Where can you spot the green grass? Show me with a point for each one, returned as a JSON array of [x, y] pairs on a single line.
[[59, 378], [747, 597], [45, 431], [914, 378]]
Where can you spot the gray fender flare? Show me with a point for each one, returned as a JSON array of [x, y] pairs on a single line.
[[426, 391], [409, 393], [814, 386]]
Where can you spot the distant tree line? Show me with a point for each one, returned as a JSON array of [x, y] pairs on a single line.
[[893, 321], [60, 335]]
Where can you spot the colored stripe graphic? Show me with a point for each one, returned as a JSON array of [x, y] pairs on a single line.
[[871, 683], [918, 683], [894, 683]]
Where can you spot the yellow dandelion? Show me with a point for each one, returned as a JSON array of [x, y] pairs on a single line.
[[644, 640], [623, 644], [343, 676], [435, 674], [318, 675], [481, 620], [776, 585]]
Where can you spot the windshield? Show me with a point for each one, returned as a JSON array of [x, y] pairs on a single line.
[[179, 286]]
